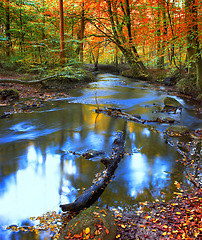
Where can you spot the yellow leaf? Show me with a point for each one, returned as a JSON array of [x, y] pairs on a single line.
[[178, 213], [165, 233], [87, 230], [118, 236], [165, 226], [97, 232], [123, 226]]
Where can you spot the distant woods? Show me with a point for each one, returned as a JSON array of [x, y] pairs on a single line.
[[162, 34]]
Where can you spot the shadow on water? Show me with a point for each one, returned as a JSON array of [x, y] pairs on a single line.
[[38, 173]]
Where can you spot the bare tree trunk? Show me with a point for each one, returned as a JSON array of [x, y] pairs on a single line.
[[82, 31], [193, 45], [7, 28], [159, 50], [62, 45]]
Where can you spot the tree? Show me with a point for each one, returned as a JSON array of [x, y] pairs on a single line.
[[118, 26], [193, 45]]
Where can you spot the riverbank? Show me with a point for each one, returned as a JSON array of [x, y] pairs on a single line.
[[56, 88], [27, 97], [179, 218]]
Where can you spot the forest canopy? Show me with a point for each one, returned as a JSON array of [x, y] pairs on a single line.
[[157, 34]]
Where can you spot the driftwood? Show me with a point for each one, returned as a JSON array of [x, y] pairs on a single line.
[[114, 112], [91, 195]]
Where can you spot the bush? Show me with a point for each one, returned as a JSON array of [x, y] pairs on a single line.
[[187, 85]]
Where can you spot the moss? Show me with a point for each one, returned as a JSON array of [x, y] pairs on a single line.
[[92, 218], [187, 85]]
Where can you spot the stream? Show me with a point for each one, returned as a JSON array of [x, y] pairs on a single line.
[[41, 165]]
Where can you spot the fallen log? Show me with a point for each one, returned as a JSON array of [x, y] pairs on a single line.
[[41, 81], [91, 195], [114, 112]]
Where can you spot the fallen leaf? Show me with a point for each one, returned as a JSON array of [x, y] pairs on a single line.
[[123, 226], [77, 236], [87, 230]]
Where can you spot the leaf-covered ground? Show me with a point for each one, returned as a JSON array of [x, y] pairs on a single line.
[[33, 96], [180, 218]]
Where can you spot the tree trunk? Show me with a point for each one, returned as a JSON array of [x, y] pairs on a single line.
[[161, 42], [7, 28], [82, 31], [199, 72], [193, 45], [127, 48], [62, 45]]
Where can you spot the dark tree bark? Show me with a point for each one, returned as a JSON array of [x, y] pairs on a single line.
[[91, 195], [82, 31]]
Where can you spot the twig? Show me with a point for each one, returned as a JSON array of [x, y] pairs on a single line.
[[96, 100]]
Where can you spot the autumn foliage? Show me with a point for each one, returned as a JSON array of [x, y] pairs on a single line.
[[155, 31]]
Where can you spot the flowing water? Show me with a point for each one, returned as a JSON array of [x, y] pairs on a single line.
[[38, 170]]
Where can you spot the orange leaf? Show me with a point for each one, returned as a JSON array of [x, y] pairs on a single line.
[[77, 236], [107, 231]]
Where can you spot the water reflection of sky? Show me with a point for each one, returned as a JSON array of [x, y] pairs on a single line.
[[33, 190], [141, 174]]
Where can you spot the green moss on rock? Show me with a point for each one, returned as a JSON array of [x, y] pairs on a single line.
[[92, 218]]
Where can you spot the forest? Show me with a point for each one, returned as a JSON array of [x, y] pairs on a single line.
[[65, 42], [156, 38]]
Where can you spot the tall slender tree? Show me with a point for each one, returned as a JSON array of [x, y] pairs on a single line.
[[7, 28], [82, 30], [62, 43]]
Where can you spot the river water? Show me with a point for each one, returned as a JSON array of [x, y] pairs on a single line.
[[38, 170]]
